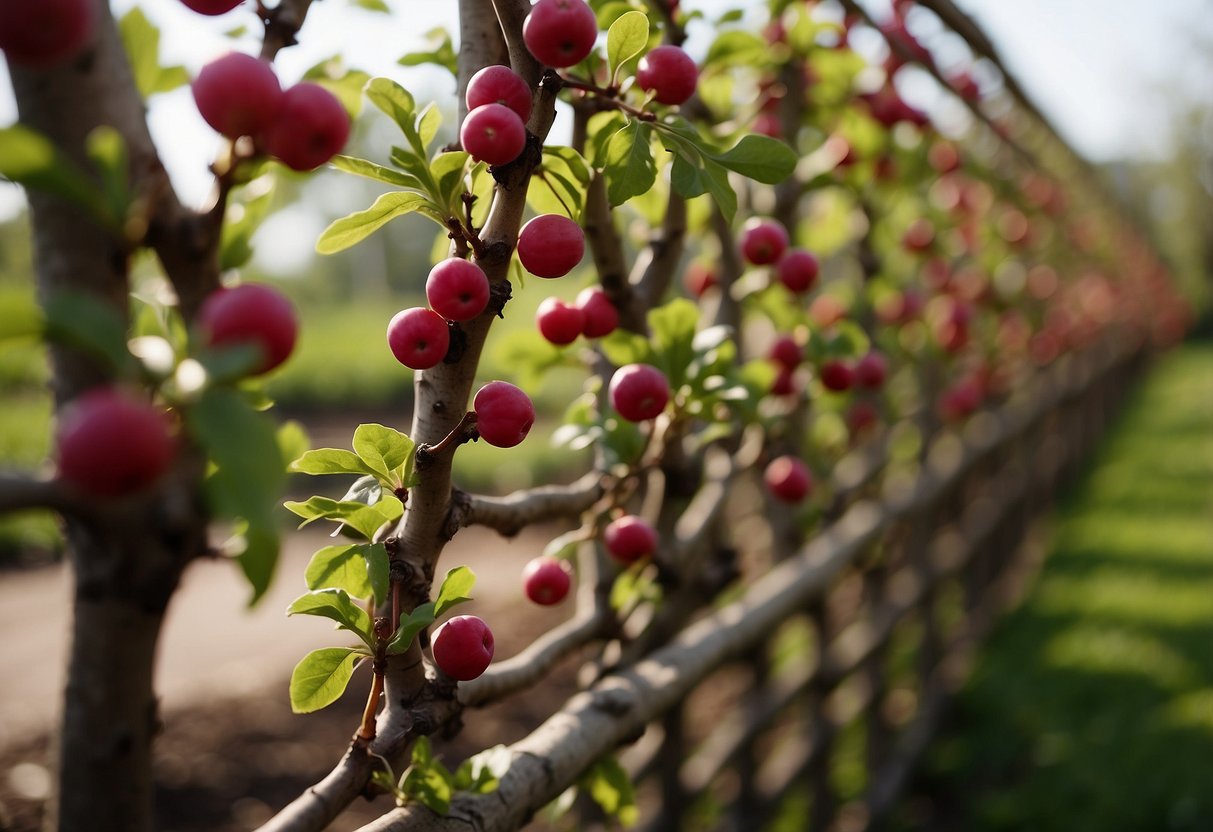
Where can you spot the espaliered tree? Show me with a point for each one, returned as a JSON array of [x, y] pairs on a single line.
[[831, 242]]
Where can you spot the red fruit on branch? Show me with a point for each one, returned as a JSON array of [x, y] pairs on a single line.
[[238, 95], [763, 241], [504, 414], [418, 337], [493, 133], [546, 580], [463, 647], [499, 85], [111, 444], [251, 314], [601, 316], [560, 33], [629, 538], [310, 128], [669, 73], [559, 322], [871, 371], [639, 392], [798, 270], [788, 480], [457, 289], [837, 376], [42, 33], [551, 245], [786, 352], [212, 7]]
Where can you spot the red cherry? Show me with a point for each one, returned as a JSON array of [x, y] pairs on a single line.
[[786, 352], [493, 133], [785, 382], [798, 270], [629, 539], [547, 580], [457, 289], [238, 95], [871, 371], [551, 245], [559, 322], [42, 33], [499, 85], [560, 33], [212, 7], [669, 73], [250, 314], [504, 414], [310, 128], [112, 444], [836, 376], [639, 392], [601, 316], [418, 337], [788, 479], [763, 241], [463, 647]]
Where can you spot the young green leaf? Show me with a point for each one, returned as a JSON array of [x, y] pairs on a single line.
[[340, 567], [630, 169], [428, 123], [142, 42], [370, 170], [29, 159], [673, 328], [560, 183], [335, 604], [321, 677], [455, 589], [481, 773], [760, 158], [259, 559], [383, 450], [394, 100], [441, 52], [378, 570], [626, 39], [356, 227], [88, 324], [612, 790], [427, 780], [331, 461], [411, 623]]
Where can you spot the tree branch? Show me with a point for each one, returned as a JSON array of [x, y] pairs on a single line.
[[19, 492], [514, 512]]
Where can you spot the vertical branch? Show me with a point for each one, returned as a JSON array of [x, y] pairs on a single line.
[[481, 45]]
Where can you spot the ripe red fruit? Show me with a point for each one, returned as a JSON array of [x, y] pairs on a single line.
[[763, 241], [871, 371], [785, 382], [629, 539], [768, 124], [601, 316], [457, 289], [112, 444], [499, 85], [493, 133], [788, 479], [837, 376], [551, 245], [212, 7], [639, 392], [559, 322], [43, 33], [463, 647], [798, 270], [669, 73], [786, 352], [560, 33], [504, 414], [919, 237], [546, 580], [310, 128], [250, 314], [418, 337], [238, 95], [698, 278]]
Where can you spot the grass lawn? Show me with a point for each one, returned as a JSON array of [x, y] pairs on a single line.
[[1091, 707]]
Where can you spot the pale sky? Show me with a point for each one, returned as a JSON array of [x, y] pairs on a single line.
[[1102, 71]]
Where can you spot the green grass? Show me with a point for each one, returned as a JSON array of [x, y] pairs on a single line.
[[1091, 707]]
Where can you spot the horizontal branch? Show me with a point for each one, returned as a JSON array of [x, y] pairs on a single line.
[[19, 492], [514, 512]]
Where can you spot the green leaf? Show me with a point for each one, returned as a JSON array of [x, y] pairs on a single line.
[[411, 623], [673, 328], [372, 5], [321, 677], [626, 39], [345, 84], [428, 123], [630, 169], [355, 228], [633, 586], [622, 348], [455, 589], [361, 167], [340, 567], [367, 520], [428, 780], [88, 324], [240, 223], [559, 183], [331, 461], [447, 170], [142, 42], [107, 150], [612, 790], [441, 52], [335, 604], [394, 100], [760, 158], [384, 450], [481, 773], [377, 570], [29, 159], [259, 560], [20, 316]]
